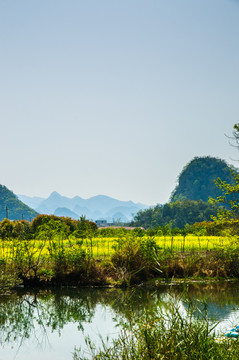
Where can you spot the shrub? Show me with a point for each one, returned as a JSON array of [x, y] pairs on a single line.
[[133, 256]]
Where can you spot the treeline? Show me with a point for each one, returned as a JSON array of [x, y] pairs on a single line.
[[177, 214], [37, 253], [47, 226], [52, 227]]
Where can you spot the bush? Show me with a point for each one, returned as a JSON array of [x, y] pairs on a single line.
[[133, 256]]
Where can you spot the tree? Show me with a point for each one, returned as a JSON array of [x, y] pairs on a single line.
[[230, 197], [235, 136], [178, 214]]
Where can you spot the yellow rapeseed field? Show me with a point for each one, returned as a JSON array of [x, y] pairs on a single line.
[[192, 242], [102, 247]]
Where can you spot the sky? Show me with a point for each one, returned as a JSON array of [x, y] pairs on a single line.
[[115, 97]]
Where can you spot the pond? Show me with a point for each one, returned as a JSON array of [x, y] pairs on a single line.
[[49, 324]]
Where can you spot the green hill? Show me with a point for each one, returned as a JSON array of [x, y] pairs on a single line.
[[177, 214], [13, 208], [189, 201], [196, 181]]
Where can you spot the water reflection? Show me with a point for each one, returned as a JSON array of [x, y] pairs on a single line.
[[49, 323], [220, 298]]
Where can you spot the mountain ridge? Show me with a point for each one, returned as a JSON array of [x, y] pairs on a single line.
[[95, 207]]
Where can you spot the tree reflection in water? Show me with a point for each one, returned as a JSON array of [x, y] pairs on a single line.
[[32, 315], [35, 313]]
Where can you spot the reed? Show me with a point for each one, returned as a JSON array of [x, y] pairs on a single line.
[[172, 335]]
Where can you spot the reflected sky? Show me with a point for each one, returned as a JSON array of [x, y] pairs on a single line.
[[50, 324], [51, 345]]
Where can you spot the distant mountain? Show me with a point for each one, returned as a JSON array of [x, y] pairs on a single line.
[[32, 202], [66, 212], [54, 201], [196, 181], [12, 207], [127, 212], [119, 217], [96, 207]]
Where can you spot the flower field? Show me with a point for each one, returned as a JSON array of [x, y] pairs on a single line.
[[103, 247]]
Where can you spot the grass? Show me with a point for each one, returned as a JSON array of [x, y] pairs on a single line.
[[122, 260], [192, 242], [103, 247], [166, 335]]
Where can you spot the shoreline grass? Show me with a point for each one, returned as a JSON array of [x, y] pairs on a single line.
[[118, 261], [166, 335]]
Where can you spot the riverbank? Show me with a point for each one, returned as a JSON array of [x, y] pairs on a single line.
[[133, 263], [36, 316]]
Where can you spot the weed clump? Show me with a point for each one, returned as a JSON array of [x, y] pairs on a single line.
[[135, 259]]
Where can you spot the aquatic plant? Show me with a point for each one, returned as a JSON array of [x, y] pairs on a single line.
[[170, 335]]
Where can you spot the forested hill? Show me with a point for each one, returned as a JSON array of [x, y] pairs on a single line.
[[189, 201], [176, 214], [196, 181], [13, 208]]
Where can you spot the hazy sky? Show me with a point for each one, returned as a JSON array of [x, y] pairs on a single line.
[[115, 97]]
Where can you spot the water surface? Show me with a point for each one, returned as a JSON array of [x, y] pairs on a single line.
[[49, 324]]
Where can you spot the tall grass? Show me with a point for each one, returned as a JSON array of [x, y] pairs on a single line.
[[193, 242], [167, 335], [122, 260], [103, 247]]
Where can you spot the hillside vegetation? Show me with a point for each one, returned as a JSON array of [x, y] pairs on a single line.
[[197, 179], [176, 214], [189, 201], [13, 208]]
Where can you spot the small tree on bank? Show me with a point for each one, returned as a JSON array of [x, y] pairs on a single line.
[[230, 198]]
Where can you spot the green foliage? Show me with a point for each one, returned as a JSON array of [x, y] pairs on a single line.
[[8, 277], [84, 228], [51, 230], [15, 229], [175, 215], [6, 229], [221, 226], [21, 229], [52, 225], [134, 259], [60, 250], [112, 232], [26, 259], [16, 210], [36, 251], [196, 181], [69, 261], [229, 198]]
